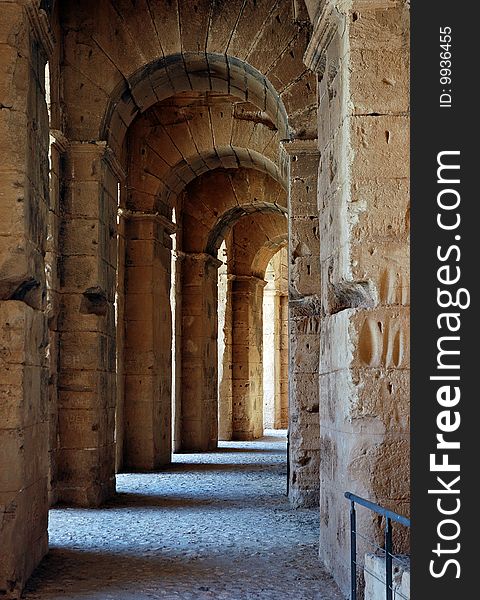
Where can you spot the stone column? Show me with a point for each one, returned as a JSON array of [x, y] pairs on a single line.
[[87, 385], [271, 381], [280, 359], [360, 53], [283, 361], [24, 199], [225, 361], [304, 322], [247, 359], [58, 147], [148, 342], [199, 379]]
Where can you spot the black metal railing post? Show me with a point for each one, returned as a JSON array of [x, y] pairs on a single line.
[[388, 559], [353, 550], [390, 517]]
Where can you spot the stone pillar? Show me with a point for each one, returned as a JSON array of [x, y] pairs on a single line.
[[87, 381], [120, 334], [176, 303], [148, 342], [271, 381], [247, 359], [199, 379], [283, 361], [225, 358], [360, 53], [52, 261], [24, 199], [304, 323]]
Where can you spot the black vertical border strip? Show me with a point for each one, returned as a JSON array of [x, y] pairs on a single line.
[[435, 129]]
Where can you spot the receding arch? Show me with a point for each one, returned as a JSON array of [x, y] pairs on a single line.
[[266, 252], [220, 157], [213, 202], [232, 216], [189, 71]]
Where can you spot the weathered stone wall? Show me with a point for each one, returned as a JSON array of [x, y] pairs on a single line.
[[304, 322], [360, 52], [374, 575], [24, 202]]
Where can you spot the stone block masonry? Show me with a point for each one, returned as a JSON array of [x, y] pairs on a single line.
[[24, 201]]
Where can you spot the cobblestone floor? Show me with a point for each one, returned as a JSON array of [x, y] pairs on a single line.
[[214, 525]]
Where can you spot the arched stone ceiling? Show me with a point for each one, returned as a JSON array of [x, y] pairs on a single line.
[[228, 220], [266, 252], [121, 57], [181, 138], [215, 201], [255, 239]]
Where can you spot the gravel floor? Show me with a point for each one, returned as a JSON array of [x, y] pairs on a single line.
[[214, 525]]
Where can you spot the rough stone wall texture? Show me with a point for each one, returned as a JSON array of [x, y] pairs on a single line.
[[148, 343], [304, 323], [24, 201], [374, 574], [87, 380], [363, 215]]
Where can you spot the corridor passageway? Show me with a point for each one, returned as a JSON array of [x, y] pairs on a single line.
[[215, 525]]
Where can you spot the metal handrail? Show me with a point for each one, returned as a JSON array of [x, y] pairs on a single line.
[[389, 517], [378, 509]]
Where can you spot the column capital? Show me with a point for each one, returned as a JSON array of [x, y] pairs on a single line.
[[97, 149], [247, 278], [200, 257], [167, 225]]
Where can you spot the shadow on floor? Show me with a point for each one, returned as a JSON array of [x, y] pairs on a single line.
[[133, 499], [228, 450], [97, 570], [212, 467]]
